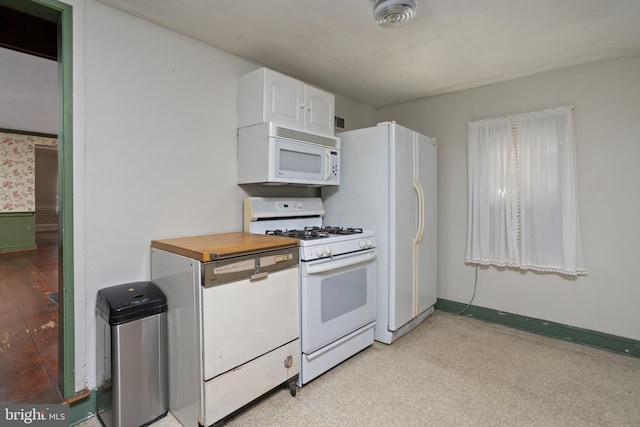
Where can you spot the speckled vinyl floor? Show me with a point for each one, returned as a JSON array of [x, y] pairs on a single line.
[[457, 371]]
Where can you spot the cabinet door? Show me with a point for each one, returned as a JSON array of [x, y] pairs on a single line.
[[234, 389], [283, 100], [319, 114]]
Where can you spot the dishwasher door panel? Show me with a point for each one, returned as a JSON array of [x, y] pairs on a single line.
[[245, 319]]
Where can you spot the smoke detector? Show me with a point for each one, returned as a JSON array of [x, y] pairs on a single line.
[[393, 13]]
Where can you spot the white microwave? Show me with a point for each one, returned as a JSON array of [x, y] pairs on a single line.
[[274, 155]]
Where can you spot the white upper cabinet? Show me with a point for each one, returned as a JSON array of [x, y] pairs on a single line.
[[268, 96], [319, 110]]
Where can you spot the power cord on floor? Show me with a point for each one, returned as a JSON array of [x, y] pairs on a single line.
[[475, 286]]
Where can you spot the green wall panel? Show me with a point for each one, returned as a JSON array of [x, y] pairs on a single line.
[[17, 232]]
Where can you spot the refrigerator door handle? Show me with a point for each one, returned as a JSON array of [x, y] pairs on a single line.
[[416, 246], [420, 193], [423, 210]]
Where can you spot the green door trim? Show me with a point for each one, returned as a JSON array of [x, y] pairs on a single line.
[[62, 14], [65, 165]]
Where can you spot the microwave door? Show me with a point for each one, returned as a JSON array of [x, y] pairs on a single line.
[[299, 161]]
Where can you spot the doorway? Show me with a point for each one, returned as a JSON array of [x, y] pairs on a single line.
[[46, 190], [60, 14]]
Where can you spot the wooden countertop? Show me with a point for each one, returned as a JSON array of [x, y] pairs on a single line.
[[226, 245]]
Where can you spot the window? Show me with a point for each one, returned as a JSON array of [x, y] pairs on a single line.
[[522, 183]]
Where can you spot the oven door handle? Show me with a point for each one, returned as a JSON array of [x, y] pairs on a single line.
[[334, 265]]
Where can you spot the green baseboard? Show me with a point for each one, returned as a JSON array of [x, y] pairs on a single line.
[[83, 409], [588, 337], [18, 248]]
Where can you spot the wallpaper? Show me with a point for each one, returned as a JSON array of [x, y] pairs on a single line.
[[17, 170]]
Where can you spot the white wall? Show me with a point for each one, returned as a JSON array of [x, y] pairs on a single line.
[[355, 114], [154, 152], [159, 151], [606, 97]]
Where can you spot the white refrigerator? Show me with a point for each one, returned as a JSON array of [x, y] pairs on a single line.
[[389, 186]]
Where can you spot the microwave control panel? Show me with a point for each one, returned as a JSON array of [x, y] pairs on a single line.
[[334, 166]]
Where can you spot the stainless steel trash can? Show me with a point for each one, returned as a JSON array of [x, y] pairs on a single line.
[[132, 368]]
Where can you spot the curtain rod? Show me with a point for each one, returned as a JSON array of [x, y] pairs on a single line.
[[511, 116]]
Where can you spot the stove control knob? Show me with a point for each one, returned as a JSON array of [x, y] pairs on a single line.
[[363, 244], [369, 243], [327, 251], [319, 251]]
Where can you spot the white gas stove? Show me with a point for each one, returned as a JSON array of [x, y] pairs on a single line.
[[302, 219], [337, 279]]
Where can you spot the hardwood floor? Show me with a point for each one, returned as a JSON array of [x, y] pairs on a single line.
[[29, 324]]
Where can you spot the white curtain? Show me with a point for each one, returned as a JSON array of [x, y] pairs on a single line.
[[522, 183]]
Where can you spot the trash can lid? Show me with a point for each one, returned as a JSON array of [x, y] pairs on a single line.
[[130, 301]]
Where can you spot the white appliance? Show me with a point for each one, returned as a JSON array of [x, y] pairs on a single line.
[[337, 279], [389, 186], [233, 320], [275, 155]]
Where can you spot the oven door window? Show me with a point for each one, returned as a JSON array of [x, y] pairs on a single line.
[[342, 294]]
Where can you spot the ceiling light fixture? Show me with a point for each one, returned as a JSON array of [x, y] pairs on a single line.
[[393, 13]]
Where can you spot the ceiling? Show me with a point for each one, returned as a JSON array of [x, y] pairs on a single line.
[[28, 92], [451, 44]]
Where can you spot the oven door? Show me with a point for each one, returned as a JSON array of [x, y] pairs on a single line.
[[337, 297]]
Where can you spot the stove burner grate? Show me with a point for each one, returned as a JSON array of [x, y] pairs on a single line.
[[299, 234], [344, 231], [310, 233]]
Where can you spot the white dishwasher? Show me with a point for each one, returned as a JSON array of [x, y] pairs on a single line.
[[233, 322]]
